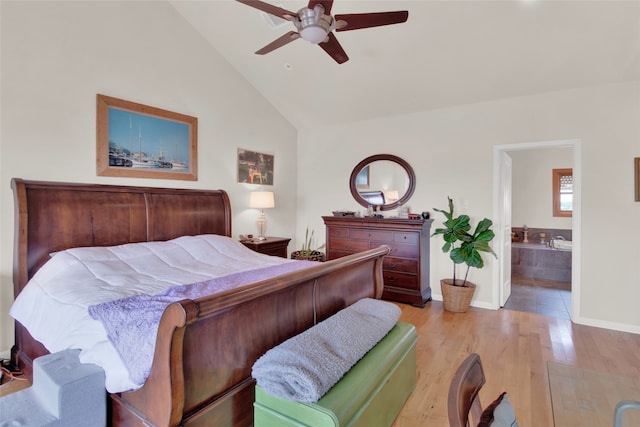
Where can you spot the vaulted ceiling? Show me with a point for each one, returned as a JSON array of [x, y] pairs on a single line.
[[448, 53]]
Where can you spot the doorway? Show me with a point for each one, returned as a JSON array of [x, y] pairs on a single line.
[[504, 283]]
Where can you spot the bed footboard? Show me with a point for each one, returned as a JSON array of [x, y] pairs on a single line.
[[201, 373]]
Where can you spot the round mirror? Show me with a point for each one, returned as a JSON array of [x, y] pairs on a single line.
[[382, 180]]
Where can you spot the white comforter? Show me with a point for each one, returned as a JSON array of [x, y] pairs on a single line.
[[54, 304]]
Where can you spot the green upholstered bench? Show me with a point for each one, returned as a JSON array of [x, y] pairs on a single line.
[[371, 394]]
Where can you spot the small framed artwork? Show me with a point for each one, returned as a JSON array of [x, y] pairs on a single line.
[[362, 179], [139, 141], [637, 175], [254, 167]]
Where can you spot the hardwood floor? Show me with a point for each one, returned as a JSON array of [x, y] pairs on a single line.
[[515, 348]]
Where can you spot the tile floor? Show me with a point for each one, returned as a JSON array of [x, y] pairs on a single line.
[[539, 296]]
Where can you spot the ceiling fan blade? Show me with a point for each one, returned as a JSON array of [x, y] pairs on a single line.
[[269, 8], [325, 3], [333, 48], [279, 42], [356, 21]]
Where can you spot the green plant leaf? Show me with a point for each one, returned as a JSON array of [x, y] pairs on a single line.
[[457, 256], [456, 229]]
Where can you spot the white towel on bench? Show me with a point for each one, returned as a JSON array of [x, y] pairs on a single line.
[[306, 366]]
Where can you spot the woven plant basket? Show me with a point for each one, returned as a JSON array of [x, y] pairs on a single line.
[[456, 298], [313, 256]]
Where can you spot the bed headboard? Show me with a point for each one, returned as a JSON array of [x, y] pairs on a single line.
[[53, 216]]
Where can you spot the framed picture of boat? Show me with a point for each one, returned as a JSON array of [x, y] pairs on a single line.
[[139, 141]]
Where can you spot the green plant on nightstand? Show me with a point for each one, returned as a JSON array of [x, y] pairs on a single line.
[[308, 251]]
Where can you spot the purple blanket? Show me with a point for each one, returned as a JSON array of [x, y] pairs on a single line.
[[132, 323]]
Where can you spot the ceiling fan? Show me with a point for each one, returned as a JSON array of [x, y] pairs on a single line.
[[315, 25]]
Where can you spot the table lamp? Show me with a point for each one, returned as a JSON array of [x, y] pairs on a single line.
[[261, 200]]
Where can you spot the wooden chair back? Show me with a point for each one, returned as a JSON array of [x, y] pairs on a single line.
[[463, 401]]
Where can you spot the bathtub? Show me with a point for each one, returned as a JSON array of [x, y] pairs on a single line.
[[561, 244], [541, 261]]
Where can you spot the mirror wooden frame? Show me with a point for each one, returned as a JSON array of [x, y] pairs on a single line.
[[390, 157]]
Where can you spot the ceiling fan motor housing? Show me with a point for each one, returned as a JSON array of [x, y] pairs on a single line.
[[313, 24]]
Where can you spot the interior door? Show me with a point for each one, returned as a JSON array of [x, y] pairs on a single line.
[[504, 251]]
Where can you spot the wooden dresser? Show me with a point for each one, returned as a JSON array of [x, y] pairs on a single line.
[[405, 269]]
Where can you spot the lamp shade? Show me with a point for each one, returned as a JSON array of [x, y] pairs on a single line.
[[391, 195], [261, 200]]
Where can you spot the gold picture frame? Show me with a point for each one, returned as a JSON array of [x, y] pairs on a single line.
[[139, 141]]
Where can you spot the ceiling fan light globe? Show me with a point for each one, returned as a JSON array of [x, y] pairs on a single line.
[[313, 34]]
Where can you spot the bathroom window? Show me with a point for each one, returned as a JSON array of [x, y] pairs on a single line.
[[562, 192]]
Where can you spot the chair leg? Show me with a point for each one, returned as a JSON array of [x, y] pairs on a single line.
[[620, 408]]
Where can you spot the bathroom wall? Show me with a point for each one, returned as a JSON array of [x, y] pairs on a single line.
[[532, 202]]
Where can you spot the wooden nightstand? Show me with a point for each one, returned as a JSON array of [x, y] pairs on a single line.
[[276, 246]]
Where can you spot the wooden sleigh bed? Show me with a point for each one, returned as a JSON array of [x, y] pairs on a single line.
[[205, 348]]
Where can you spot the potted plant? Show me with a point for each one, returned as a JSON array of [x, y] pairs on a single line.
[[307, 252], [457, 293]]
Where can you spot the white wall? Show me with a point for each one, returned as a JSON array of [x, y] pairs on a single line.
[[56, 56], [451, 152], [532, 195]]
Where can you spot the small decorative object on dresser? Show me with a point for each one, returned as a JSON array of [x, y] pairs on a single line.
[[276, 246], [307, 252], [457, 293], [405, 269]]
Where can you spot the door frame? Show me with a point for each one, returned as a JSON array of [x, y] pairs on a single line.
[[576, 223]]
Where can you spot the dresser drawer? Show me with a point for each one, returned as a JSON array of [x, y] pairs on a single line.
[[403, 251], [410, 238], [400, 264], [337, 254], [338, 232], [371, 235], [349, 245], [401, 280]]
